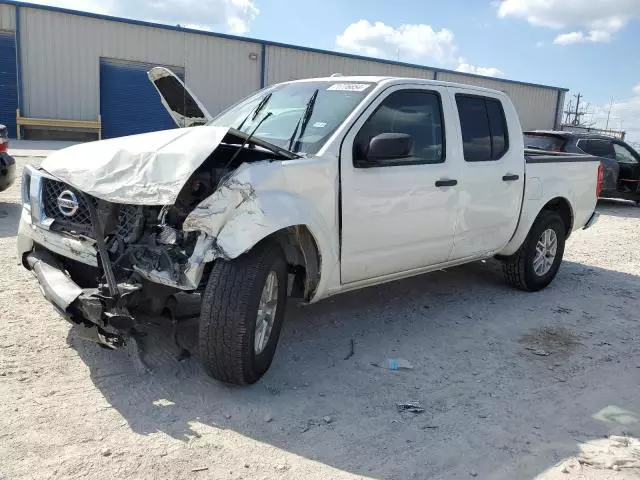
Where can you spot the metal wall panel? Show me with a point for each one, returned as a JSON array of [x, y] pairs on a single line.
[[61, 75], [8, 82], [536, 106], [7, 17], [129, 103], [560, 108], [285, 64], [61, 52]]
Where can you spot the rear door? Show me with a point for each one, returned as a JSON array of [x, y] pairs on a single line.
[[629, 162], [492, 176], [603, 149]]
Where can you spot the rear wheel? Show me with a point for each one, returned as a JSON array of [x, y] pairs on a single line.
[[536, 263], [242, 313]]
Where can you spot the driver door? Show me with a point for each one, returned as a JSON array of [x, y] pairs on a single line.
[[399, 214]]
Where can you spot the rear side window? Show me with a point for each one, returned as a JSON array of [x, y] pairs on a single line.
[[597, 147], [484, 128], [544, 142]]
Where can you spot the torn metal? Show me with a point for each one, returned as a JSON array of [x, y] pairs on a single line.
[[146, 169]]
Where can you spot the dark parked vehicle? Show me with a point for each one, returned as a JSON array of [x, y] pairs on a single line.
[[620, 161], [7, 164]]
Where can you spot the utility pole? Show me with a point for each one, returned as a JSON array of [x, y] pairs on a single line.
[[609, 114], [574, 114]]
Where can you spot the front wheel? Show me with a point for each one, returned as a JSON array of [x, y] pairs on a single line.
[[242, 313], [536, 263]]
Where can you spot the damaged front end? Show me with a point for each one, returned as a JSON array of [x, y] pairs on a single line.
[[102, 262]]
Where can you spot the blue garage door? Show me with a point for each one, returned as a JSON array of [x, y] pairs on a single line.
[[8, 82], [129, 103]]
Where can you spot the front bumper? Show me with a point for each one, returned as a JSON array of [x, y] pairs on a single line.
[[7, 171], [592, 219], [84, 308]]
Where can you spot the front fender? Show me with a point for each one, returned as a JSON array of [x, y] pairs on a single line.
[[253, 204]]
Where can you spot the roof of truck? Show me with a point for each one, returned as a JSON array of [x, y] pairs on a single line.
[[395, 81]]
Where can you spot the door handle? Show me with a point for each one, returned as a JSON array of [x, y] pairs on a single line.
[[446, 182], [510, 177]]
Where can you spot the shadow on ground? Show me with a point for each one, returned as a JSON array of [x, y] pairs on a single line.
[[618, 208], [506, 377], [9, 218]]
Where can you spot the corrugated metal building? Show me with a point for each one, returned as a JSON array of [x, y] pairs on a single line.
[[62, 66]]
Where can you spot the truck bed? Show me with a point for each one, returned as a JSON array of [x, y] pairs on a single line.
[[533, 155]]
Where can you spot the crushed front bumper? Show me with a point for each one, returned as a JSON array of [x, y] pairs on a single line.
[[84, 308]]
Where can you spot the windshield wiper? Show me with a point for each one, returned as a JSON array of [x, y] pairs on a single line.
[[246, 140], [254, 113], [302, 123]]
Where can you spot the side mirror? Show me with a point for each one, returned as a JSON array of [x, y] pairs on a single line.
[[388, 146]]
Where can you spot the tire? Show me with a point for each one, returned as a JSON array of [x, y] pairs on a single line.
[[519, 269], [229, 312]]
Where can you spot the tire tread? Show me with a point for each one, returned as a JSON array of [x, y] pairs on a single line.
[[226, 304]]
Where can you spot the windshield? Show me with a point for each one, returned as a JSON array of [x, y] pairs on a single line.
[[280, 115]]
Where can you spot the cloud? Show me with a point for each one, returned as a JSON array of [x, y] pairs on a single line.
[[489, 71], [594, 36], [593, 21], [409, 42], [625, 115], [234, 16], [540, 44], [418, 43]]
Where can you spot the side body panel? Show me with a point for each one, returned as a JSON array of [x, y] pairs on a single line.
[[572, 181]]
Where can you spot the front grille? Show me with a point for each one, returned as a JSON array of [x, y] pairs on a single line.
[[51, 191], [130, 217]]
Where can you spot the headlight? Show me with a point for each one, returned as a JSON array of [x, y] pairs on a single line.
[[26, 187]]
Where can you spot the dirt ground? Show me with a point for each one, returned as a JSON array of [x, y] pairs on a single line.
[[514, 385]]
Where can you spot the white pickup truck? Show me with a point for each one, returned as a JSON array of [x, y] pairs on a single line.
[[305, 189]]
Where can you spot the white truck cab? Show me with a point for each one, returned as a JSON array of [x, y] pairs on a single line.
[[305, 189]]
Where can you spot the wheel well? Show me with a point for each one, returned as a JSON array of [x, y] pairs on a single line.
[[303, 257], [563, 208]]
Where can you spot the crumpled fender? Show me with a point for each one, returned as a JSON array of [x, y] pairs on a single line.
[[252, 204]]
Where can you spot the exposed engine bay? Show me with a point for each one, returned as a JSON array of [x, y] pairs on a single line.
[[143, 255]]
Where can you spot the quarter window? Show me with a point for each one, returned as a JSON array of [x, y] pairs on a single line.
[[417, 113], [484, 128], [623, 155]]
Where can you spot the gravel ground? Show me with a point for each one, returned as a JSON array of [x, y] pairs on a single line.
[[514, 385]]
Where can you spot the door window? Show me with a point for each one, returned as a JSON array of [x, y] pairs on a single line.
[[597, 147], [624, 155], [484, 128], [417, 113]]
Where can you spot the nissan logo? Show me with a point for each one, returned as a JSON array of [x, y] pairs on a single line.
[[68, 203]]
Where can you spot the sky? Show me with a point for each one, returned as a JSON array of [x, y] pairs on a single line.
[[588, 46]]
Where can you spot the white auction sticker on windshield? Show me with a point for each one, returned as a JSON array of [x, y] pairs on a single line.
[[348, 87]]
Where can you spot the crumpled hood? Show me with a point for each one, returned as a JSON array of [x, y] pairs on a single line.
[[146, 169]]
